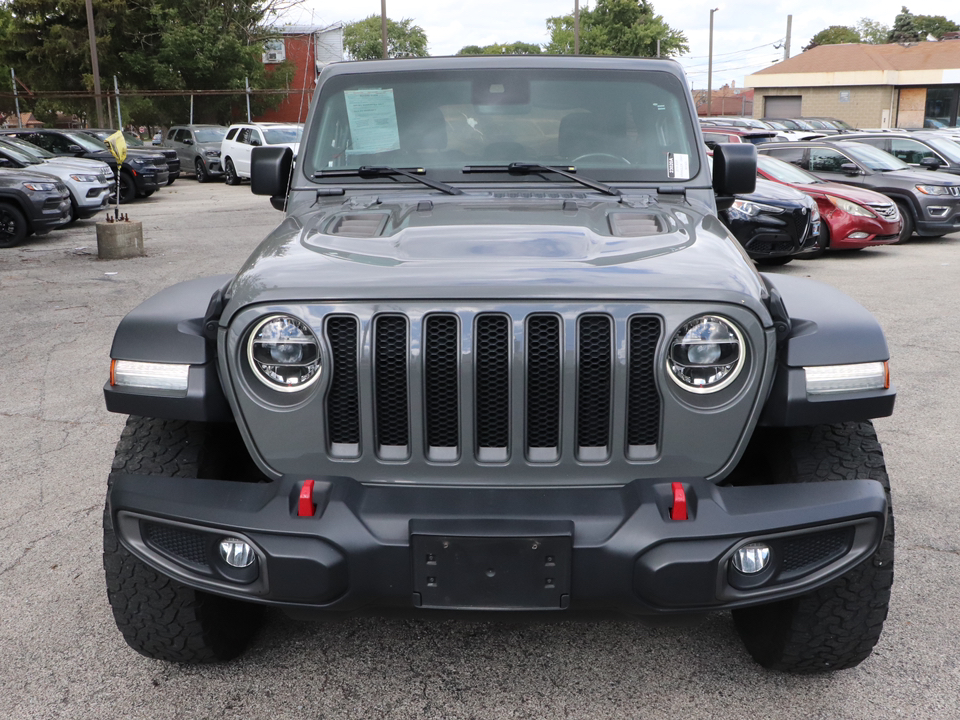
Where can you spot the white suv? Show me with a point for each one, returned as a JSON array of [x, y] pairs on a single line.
[[243, 137]]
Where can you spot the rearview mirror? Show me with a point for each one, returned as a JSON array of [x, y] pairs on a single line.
[[930, 163], [850, 169], [74, 149], [734, 171], [188, 141], [270, 171]]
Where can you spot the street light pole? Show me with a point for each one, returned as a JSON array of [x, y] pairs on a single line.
[[576, 27], [94, 62], [383, 26], [710, 67]]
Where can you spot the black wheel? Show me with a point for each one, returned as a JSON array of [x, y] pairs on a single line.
[[836, 626], [170, 181], [160, 617], [773, 261], [72, 215], [13, 226], [148, 193], [230, 173], [906, 232], [128, 189], [824, 242], [201, 170]]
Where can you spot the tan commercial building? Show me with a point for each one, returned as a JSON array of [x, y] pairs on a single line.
[[869, 86]]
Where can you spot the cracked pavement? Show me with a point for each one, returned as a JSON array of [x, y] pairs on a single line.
[[62, 657]]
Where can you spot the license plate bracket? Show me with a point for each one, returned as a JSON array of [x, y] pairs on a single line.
[[491, 573]]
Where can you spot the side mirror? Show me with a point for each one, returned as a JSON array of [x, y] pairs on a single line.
[[188, 141], [270, 171], [74, 149], [254, 142], [850, 169], [6, 163], [930, 163], [734, 171]]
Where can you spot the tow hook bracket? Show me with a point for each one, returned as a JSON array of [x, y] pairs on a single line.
[[679, 509], [306, 507]]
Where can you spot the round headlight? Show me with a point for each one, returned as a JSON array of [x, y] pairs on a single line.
[[284, 353], [706, 354]]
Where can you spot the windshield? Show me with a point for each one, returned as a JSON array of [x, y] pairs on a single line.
[[280, 135], [90, 144], [946, 147], [132, 139], [209, 135], [784, 171], [626, 125], [874, 158], [20, 157], [28, 148], [843, 125]]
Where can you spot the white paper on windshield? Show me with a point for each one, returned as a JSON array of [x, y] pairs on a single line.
[[372, 115], [678, 166]]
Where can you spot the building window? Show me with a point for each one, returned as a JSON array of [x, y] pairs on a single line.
[[941, 108]]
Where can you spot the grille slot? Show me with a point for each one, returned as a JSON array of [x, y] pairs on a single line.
[[492, 348], [643, 398], [392, 396], [343, 399], [543, 388], [441, 391], [807, 552], [594, 385], [185, 545]]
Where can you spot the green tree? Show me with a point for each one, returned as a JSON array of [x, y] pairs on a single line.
[[833, 35], [904, 30], [362, 39], [872, 32], [150, 45], [514, 48], [935, 25], [616, 27]]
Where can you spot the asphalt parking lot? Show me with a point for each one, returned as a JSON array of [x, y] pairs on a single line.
[[62, 657]]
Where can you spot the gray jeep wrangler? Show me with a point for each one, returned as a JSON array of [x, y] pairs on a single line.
[[501, 355]]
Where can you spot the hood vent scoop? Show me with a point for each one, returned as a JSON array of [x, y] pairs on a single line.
[[359, 225], [626, 224]]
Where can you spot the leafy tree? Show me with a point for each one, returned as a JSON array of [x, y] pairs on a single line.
[[834, 35], [616, 27], [150, 45], [872, 32], [362, 39], [904, 28], [935, 25], [514, 48]]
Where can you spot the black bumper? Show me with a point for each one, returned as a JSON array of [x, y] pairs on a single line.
[[578, 548]]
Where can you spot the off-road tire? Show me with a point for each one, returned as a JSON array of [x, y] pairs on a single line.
[[160, 617], [230, 173], [837, 625]]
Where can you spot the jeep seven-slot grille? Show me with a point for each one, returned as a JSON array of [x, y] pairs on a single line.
[[450, 361]]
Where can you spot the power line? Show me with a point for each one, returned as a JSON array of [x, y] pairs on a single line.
[[733, 52]]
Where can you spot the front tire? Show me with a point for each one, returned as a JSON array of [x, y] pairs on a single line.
[[128, 188], [837, 625], [13, 226], [906, 232], [230, 173], [773, 261], [160, 617], [201, 170]]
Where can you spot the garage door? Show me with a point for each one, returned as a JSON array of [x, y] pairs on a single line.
[[785, 106]]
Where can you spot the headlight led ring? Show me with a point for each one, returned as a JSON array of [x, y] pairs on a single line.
[[706, 354], [284, 353]]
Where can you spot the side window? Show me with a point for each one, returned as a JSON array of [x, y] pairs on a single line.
[[911, 151], [789, 154], [43, 140], [826, 160], [171, 133], [244, 136], [255, 137], [181, 135], [231, 133]]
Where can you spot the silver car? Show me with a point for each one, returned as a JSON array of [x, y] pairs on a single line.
[[198, 147]]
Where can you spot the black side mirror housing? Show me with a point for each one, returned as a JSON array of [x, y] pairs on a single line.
[[188, 141], [850, 169], [734, 171], [74, 149], [930, 163], [270, 171]]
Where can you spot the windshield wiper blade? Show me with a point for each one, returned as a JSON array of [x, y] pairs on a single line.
[[521, 168], [372, 171]]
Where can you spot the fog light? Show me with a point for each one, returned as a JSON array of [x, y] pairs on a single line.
[[857, 235], [751, 559], [236, 552]]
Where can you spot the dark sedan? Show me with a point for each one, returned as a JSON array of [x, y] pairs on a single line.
[[922, 150], [775, 223]]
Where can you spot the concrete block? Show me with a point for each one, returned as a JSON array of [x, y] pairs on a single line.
[[118, 240]]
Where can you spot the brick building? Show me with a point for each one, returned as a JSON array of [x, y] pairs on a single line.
[[308, 48], [878, 86], [727, 100]]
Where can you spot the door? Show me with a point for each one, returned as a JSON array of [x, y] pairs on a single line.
[[784, 106], [241, 151], [913, 152], [827, 163]]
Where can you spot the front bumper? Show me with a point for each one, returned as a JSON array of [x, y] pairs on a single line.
[[611, 547], [941, 215]]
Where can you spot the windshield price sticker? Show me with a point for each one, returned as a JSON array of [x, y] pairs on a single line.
[[678, 166], [372, 115]]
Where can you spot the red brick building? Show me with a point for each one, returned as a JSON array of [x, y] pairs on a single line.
[[308, 48]]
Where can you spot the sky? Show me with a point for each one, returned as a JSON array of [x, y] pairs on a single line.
[[746, 32]]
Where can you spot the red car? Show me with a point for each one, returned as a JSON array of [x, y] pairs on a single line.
[[853, 218]]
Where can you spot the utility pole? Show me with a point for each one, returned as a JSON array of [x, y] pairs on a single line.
[[116, 89], [16, 99], [247, 80], [710, 67], [94, 62], [576, 27], [786, 45], [383, 26]]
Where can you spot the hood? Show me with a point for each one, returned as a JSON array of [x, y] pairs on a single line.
[[921, 177], [11, 177], [503, 246], [859, 195], [87, 165]]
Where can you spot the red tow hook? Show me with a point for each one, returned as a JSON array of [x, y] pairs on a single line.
[[679, 509], [306, 507]]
